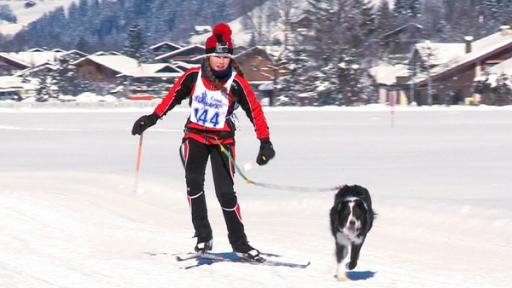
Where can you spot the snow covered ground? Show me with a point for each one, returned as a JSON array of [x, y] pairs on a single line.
[[440, 181]]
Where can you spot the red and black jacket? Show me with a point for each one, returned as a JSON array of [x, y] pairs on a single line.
[[240, 92]]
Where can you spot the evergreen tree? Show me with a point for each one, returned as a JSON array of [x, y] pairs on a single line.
[[135, 45], [400, 8], [338, 46], [414, 8], [84, 45], [384, 18], [43, 91], [459, 19], [407, 9], [489, 13], [83, 9], [433, 21]]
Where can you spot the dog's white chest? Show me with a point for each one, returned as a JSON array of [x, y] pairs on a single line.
[[346, 240]]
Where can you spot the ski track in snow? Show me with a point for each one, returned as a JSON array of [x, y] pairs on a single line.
[[79, 223]]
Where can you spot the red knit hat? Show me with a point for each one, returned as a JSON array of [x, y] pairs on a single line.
[[220, 41]]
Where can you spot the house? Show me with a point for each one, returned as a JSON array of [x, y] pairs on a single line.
[[444, 73], [9, 65], [164, 48], [19, 87], [187, 54], [38, 71], [302, 23], [256, 65], [71, 56], [387, 79], [401, 40], [12, 63], [493, 85], [258, 69], [107, 68], [153, 79]]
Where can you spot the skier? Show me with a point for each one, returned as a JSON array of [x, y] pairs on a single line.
[[213, 89]]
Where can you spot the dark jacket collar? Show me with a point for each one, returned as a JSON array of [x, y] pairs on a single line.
[[222, 76]]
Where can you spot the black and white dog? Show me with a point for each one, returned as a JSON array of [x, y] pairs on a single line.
[[351, 219]]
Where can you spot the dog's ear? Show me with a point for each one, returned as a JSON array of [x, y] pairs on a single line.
[[365, 194], [334, 219]]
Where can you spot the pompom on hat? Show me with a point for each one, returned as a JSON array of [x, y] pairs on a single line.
[[220, 42]]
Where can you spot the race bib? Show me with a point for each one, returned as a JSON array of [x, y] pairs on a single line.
[[209, 108]]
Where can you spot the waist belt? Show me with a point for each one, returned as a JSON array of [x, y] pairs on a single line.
[[209, 133]]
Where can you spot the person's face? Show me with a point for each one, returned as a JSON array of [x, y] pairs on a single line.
[[219, 63]]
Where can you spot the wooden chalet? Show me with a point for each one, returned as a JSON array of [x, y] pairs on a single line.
[[189, 54], [164, 48], [145, 81], [446, 76], [401, 40], [258, 69], [489, 85], [302, 23], [256, 65], [442, 73], [108, 68], [12, 63]]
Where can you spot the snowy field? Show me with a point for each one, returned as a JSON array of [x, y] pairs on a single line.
[[440, 180]]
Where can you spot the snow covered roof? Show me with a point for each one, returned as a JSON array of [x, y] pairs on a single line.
[[504, 67], [439, 53], [74, 51], [17, 82], [481, 48], [128, 66], [118, 63], [165, 43], [251, 50], [32, 58], [43, 66], [183, 50], [183, 65], [156, 70], [491, 74], [403, 27], [386, 74]]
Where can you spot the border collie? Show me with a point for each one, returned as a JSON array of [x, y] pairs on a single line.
[[351, 219]]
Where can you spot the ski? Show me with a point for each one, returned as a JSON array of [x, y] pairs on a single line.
[[188, 256], [210, 258], [271, 262]]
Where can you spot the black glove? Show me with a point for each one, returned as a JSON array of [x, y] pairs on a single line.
[[266, 152], [144, 123]]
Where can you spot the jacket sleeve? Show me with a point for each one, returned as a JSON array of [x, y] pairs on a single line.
[[247, 100], [181, 89]]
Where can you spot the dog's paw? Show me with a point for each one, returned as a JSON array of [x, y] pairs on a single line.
[[351, 265], [341, 276]]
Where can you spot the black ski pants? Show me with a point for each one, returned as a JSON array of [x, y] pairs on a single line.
[[195, 157]]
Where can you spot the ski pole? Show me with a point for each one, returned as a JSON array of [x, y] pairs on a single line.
[[137, 165]]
